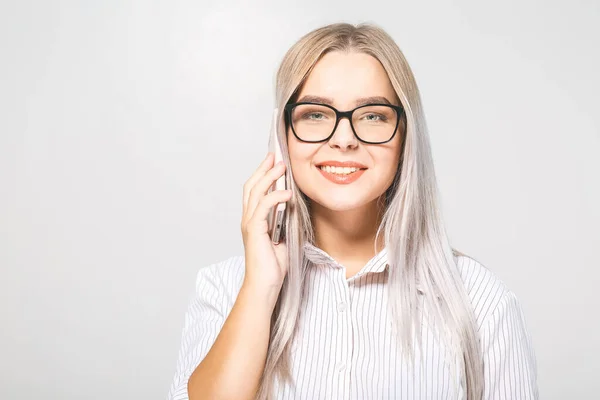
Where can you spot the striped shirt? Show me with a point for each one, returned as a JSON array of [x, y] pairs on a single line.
[[344, 348]]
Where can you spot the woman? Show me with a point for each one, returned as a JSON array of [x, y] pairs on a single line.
[[365, 298]]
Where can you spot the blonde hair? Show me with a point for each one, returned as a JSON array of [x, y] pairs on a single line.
[[420, 256]]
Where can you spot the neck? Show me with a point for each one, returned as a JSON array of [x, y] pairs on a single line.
[[348, 236]]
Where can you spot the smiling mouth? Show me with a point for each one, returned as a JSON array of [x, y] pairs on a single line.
[[341, 175], [339, 170]]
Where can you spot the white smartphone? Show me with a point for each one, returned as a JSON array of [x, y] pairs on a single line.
[[277, 213]]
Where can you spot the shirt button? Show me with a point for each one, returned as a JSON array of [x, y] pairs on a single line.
[[341, 307]]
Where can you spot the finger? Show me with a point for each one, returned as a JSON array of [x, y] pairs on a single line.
[[266, 203], [262, 186], [262, 169]]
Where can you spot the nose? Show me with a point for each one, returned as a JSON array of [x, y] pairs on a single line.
[[343, 138]]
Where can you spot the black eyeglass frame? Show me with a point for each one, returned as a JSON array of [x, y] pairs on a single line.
[[342, 114]]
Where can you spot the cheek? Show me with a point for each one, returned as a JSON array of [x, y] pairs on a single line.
[[300, 158], [389, 164], [388, 169]]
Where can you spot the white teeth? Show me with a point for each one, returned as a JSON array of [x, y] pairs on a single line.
[[338, 170]]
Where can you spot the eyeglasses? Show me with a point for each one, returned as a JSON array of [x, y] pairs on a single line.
[[371, 123]]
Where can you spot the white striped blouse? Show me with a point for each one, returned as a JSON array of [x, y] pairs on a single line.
[[344, 348]]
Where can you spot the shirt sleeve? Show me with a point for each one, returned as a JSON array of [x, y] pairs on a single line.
[[510, 366], [204, 319]]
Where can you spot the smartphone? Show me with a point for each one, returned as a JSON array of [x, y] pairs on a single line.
[[277, 213]]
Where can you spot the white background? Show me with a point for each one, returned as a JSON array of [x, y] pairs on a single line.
[[127, 129]]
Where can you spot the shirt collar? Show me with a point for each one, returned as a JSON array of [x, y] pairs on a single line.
[[378, 263]]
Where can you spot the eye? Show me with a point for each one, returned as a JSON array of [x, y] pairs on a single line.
[[313, 116], [375, 117], [313, 113]]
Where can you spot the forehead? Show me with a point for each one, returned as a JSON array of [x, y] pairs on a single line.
[[344, 77]]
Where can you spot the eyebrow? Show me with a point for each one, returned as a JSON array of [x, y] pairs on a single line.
[[359, 102]]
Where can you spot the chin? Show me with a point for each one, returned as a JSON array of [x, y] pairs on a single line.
[[339, 202]]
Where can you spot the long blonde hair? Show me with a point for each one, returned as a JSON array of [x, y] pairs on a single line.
[[420, 255]]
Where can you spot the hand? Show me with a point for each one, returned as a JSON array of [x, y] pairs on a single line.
[[266, 262]]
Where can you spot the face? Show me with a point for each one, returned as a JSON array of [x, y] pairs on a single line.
[[343, 79]]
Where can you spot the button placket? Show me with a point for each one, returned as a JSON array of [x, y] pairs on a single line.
[[343, 307]]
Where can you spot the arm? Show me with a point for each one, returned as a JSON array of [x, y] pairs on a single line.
[[221, 346], [239, 353], [224, 351], [510, 368]]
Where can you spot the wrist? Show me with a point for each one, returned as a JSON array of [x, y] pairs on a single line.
[[264, 294]]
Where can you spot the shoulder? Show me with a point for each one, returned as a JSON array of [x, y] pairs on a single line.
[[222, 272], [485, 289], [506, 343], [220, 282]]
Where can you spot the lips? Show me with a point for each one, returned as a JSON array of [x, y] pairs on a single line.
[[341, 179], [349, 164]]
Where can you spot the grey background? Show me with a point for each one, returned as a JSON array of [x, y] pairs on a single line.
[[128, 129]]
